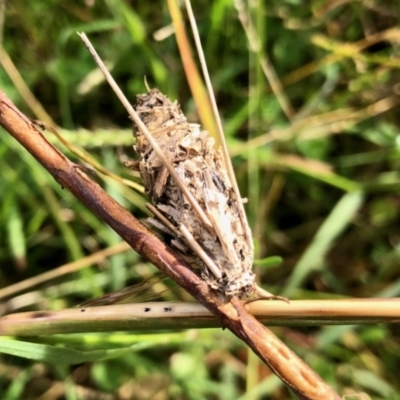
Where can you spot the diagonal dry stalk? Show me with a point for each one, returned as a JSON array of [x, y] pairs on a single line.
[[233, 315]]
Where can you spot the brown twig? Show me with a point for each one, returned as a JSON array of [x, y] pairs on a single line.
[[291, 369]]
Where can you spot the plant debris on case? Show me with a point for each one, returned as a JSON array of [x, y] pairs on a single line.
[[217, 236]]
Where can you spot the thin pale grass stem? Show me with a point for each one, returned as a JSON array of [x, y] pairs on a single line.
[[30, 99], [2, 18], [199, 251], [85, 156], [132, 113], [163, 219], [225, 151], [194, 80], [63, 270], [303, 127], [152, 315], [331, 58], [267, 67]]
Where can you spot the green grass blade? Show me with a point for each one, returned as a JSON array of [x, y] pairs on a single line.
[[313, 258], [59, 355]]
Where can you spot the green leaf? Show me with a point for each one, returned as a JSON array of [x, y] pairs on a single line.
[[59, 355], [268, 262], [313, 258], [16, 235]]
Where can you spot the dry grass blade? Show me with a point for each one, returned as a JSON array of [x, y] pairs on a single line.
[[63, 270], [193, 77], [221, 135], [98, 317], [26, 93], [86, 157]]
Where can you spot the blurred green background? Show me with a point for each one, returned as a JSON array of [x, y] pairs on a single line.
[[317, 157]]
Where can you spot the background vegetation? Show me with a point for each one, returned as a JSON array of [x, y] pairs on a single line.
[[321, 177]]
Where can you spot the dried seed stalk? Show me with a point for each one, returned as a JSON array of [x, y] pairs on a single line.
[[223, 250]]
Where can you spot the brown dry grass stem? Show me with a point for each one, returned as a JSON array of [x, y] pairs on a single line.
[[176, 315], [290, 368]]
